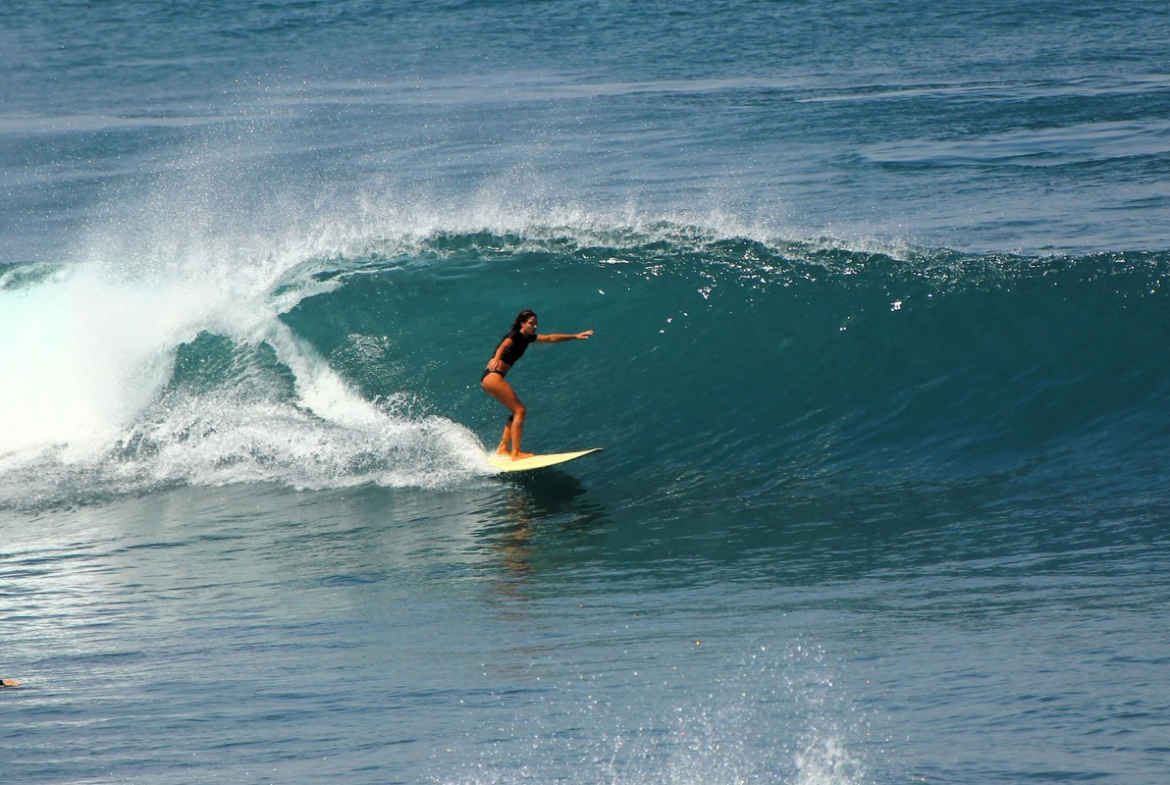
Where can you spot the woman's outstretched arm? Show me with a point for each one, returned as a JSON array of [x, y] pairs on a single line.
[[561, 337]]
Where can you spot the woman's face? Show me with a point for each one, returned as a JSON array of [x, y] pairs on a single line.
[[529, 327]]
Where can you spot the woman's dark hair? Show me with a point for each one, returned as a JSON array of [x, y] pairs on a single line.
[[524, 316]]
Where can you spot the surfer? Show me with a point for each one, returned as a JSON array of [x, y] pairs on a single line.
[[514, 344], [9, 683]]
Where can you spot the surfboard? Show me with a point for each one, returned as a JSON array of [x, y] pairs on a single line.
[[505, 464]]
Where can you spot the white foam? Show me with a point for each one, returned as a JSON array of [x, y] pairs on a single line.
[[81, 358], [87, 409], [89, 352]]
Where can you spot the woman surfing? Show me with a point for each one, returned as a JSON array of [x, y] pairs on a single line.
[[511, 348]]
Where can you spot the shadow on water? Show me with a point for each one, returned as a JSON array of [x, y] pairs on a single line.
[[552, 494], [541, 520]]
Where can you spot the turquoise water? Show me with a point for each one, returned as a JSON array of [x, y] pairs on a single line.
[[879, 371]]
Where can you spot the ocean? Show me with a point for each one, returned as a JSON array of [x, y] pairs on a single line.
[[881, 306]]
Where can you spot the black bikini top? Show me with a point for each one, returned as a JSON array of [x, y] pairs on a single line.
[[519, 345]]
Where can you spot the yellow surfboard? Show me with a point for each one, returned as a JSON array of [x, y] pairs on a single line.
[[505, 464]]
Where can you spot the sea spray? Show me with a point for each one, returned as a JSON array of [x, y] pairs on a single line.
[[683, 717]]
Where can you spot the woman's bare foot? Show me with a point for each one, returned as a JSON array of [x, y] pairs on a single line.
[[519, 455]]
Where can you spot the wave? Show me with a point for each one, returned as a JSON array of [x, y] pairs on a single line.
[[736, 366]]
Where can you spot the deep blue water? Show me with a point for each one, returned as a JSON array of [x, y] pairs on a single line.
[[879, 370]]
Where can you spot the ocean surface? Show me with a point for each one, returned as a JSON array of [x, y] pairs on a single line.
[[881, 294]]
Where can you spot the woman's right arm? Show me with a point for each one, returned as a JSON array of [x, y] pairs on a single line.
[[495, 363]]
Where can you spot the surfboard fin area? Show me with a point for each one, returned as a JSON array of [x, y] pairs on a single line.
[[505, 463]]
